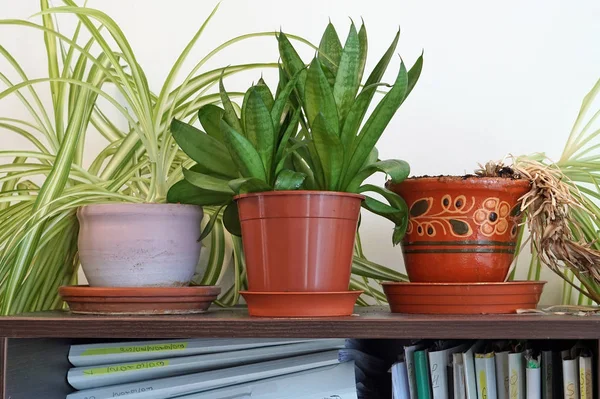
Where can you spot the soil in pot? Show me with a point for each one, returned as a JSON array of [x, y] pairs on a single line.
[[139, 245], [299, 241], [461, 229]]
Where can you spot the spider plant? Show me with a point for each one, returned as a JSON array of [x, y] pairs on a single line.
[[308, 135], [565, 236], [38, 237]]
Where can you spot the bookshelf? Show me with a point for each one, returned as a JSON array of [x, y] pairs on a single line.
[[34, 346]]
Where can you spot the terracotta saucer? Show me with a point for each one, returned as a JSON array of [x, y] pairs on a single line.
[[138, 300], [300, 304], [463, 298]]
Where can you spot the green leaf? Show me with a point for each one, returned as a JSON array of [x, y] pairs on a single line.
[[230, 116], [329, 150], [210, 117], [243, 153], [204, 149], [207, 182], [363, 50], [259, 129], [396, 169], [376, 124], [231, 219], [245, 185], [281, 100], [292, 128], [265, 93], [289, 180], [318, 97], [347, 80], [183, 192], [414, 73], [300, 165], [356, 115], [330, 49], [396, 210], [288, 152], [211, 222], [292, 62]]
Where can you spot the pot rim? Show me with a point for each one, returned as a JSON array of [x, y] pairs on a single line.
[[128, 207], [457, 284], [473, 181], [299, 192]]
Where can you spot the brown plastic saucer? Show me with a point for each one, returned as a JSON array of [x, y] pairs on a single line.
[[463, 298], [138, 300], [301, 304]]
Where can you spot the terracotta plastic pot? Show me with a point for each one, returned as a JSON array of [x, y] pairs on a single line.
[[139, 245], [297, 241], [461, 229]]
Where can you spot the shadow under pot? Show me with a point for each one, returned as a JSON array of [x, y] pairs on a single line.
[[461, 229], [139, 245], [299, 241]]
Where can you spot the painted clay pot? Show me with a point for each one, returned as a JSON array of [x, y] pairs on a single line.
[[139, 245], [296, 241], [461, 229]]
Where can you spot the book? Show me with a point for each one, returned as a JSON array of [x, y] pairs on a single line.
[[120, 373], [400, 388], [548, 375], [516, 373], [422, 375], [586, 384], [533, 375], [469, 366], [458, 375], [409, 358], [135, 351], [570, 369], [502, 380], [335, 381], [440, 360], [199, 382], [485, 371]]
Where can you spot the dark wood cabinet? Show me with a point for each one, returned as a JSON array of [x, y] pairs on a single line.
[[34, 347]]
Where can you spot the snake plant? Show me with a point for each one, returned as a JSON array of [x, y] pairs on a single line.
[[307, 136]]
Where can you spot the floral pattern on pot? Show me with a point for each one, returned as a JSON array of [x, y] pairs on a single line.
[[453, 219]]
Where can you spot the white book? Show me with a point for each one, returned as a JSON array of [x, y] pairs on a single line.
[[120, 373], [586, 382], [409, 358], [335, 381], [134, 351], [533, 377], [502, 380], [485, 370], [458, 375], [400, 388], [570, 367], [171, 387], [469, 366], [439, 362], [516, 373]]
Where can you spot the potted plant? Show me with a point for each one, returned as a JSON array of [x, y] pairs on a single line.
[[289, 172]]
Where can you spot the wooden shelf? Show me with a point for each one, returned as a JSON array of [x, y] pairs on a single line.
[[373, 322]]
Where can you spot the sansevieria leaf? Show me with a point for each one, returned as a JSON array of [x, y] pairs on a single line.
[[243, 153], [259, 128], [330, 49], [230, 116], [184, 192], [318, 98], [245, 185], [289, 180], [292, 62], [204, 149], [210, 117], [207, 182], [329, 150], [346, 80], [396, 169]]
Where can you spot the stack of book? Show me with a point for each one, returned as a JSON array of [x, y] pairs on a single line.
[[492, 370], [214, 369]]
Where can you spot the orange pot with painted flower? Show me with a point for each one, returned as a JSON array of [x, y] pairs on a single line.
[[461, 229]]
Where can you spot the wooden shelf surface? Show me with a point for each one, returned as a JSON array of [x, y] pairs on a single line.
[[372, 322]]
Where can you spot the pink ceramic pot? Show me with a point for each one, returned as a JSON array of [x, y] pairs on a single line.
[[139, 245]]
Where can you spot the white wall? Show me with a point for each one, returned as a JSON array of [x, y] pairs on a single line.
[[499, 77]]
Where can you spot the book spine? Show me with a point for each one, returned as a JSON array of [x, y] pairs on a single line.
[[437, 368], [458, 374], [586, 385], [570, 378], [502, 380], [516, 373], [422, 375], [485, 370], [534, 382], [400, 378], [547, 375], [409, 358]]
